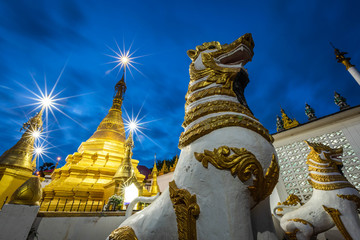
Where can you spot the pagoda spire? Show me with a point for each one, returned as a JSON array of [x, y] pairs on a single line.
[[112, 126], [125, 170], [164, 169], [340, 57], [154, 185], [172, 168], [21, 154]]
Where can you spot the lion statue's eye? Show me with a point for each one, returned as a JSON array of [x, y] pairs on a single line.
[[211, 47]]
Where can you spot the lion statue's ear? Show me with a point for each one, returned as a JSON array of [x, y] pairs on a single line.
[[191, 53]]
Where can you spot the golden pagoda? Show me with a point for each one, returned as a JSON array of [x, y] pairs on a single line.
[[288, 123], [17, 164], [172, 168], [164, 169], [85, 176], [154, 185]]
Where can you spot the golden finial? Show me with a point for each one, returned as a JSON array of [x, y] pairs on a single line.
[[29, 193], [288, 123], [340, 56], [120, 88]]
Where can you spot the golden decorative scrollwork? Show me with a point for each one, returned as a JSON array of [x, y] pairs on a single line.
[[226, 120], [291, 200], [209, 92], [292, 235], [243, 164], [330, 186], [335, 215], [301, 221], [219, 76], [123, 233], [186, 210], [327, 178], [323, 170], [351, 197], [204, 109]]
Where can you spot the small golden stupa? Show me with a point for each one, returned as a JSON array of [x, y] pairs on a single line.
[[17, 164], [98, 169]]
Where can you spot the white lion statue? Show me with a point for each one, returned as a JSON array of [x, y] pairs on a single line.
[[334, 200], [227, 167]]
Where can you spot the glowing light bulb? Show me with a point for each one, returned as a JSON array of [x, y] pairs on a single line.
[[131, 192]]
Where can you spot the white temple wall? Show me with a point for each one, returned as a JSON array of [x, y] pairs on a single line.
[[163, 180], [61, 228], [341, 129]]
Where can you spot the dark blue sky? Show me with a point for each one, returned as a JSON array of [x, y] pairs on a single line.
[[293, 61]]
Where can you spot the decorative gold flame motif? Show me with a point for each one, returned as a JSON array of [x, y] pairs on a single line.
[[243, 164], [301, 221], [123, 233], [186, 210], [335, 215]]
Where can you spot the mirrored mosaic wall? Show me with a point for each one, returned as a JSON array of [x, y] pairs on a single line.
[[293, 168]]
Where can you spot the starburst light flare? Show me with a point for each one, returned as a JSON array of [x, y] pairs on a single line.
[[48, 101], [136, 125], [124, 59]]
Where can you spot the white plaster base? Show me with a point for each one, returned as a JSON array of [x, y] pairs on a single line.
[[74, 228], [16, 221]]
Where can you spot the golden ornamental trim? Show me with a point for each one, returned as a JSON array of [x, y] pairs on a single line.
[[351, 197], [204, 109], [323, 170], [208, 92], [123, 233], [292, 235], [331, 186], [301, 221], [335, 215], [317, 165], [213, 76], [291, 200], [244, 165], [217, 122], [187, 211], [327, 178]]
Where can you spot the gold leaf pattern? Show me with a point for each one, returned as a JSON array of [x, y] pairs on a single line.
[[186, 210], [123, 233], [244, 165]]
